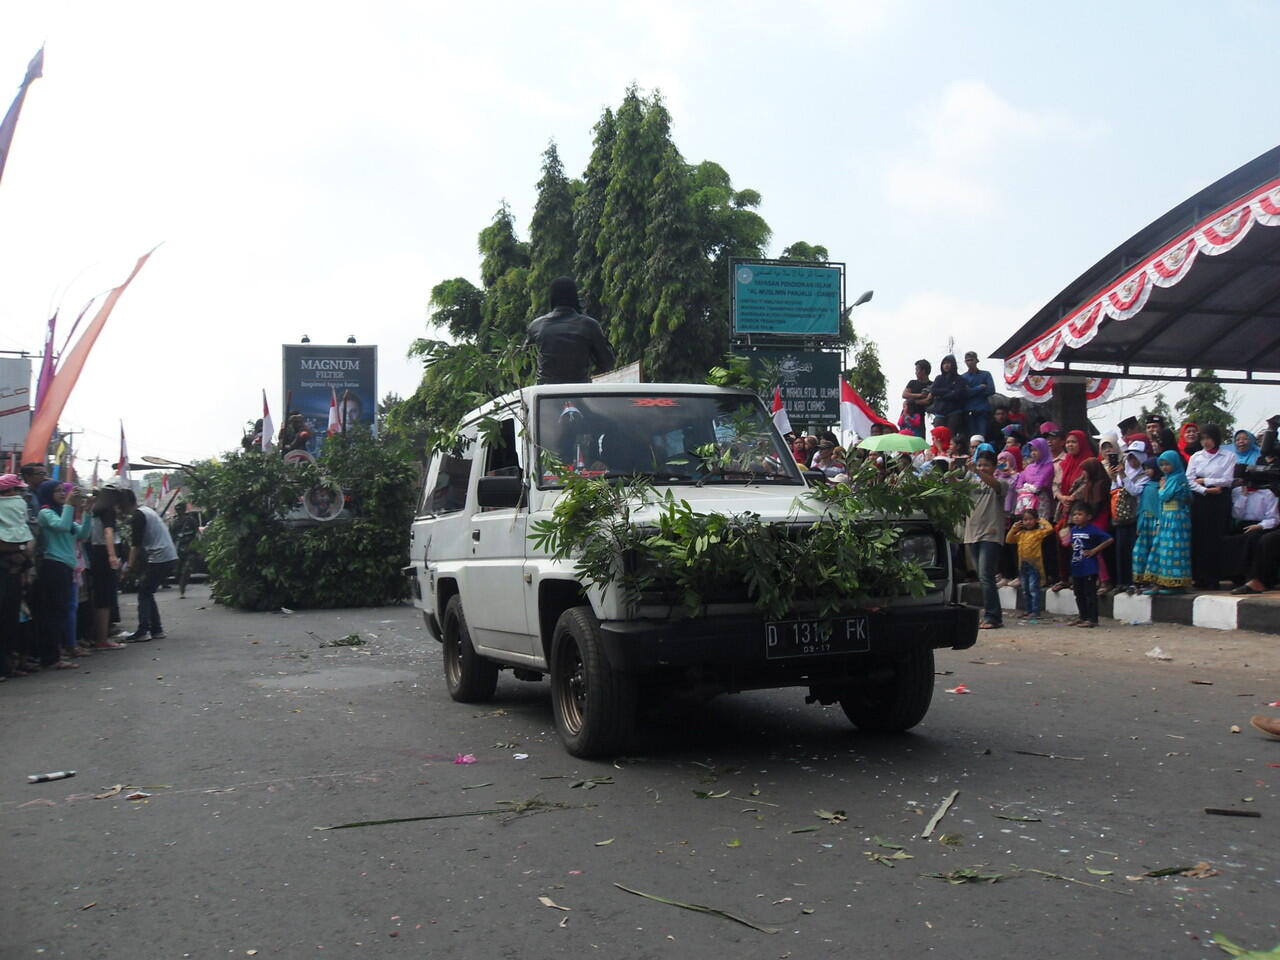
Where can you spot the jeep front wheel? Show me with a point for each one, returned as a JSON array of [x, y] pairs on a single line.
[[594, 705], [470, 677], [897, 702]]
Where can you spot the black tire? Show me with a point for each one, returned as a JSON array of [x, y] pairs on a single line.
[[594, 705], [897, 703], [470, 677]]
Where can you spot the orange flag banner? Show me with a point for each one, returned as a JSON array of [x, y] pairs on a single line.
[[37, 443]]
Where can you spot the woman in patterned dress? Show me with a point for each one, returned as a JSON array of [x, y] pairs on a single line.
[[1171, 571], [1144, 547]]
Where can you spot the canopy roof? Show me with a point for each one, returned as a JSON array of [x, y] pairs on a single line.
[[1198, 287]]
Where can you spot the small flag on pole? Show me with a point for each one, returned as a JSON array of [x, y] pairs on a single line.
[[122, 465], [780, 418], [268, 428], [856, 415]]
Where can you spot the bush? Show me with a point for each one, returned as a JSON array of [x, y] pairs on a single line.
[[258, 562]]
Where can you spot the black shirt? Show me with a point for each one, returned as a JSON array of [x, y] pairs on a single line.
[[917, 386], [568, 344]]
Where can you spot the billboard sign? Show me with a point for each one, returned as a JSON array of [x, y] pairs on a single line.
[[787, 300], [808, 379], [15, 401], [313, 373]]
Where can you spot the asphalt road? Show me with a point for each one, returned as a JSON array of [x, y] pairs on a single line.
[[248, 735]]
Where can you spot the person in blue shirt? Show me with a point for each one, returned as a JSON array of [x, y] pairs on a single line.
[[60, 506], [1087, 541], [980, 389]]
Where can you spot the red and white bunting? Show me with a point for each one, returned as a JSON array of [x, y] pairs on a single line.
[[1216, 234]]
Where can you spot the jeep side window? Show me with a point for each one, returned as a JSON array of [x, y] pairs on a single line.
[[502, 457], [453, 475]]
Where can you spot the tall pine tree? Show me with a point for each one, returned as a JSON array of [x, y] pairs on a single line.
[[588, 215], [551, 237], [1206, 402]]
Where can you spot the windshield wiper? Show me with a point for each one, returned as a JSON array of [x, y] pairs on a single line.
[[735, 476], [665, 475]]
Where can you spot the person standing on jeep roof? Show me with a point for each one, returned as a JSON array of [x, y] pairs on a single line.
[[568, 341]]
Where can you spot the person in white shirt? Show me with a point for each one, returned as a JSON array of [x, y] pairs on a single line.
[[1211, 474], [1253, 514]]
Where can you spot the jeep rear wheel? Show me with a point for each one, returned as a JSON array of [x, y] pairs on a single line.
[[594, 705], [470, 677], [897, 702]]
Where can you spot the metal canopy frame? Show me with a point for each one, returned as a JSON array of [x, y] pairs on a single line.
[[1222, 312]]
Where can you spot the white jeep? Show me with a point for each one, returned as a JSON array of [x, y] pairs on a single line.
[[496, 602]]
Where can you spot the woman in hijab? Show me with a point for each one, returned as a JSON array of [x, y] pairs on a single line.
[[1077, 451], [1247, 450], [1128, 483], [1144, 545], [941, 446], [1189, 439], [949, 394], [59, 530], [1034, 482], [1171, 570]]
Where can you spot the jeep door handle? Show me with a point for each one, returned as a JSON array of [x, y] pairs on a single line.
[[475, 535]]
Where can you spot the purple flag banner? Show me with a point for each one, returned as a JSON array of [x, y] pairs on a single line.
[[35, 70], [46, 364]]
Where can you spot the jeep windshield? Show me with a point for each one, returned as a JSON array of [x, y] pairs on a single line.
[[668, 438]]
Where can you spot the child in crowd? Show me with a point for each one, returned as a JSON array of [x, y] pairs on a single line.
[[1144, 544], [1169, 568], [15, 558], [1087, 541], [910, 420], [1028, 535]]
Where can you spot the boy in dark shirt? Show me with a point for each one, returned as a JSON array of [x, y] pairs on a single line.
[[1087, 541]]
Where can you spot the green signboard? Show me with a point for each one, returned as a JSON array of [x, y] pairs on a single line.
[[785, 299], [809, 381]]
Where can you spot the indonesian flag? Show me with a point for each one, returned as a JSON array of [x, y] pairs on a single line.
[[856, 415], [334, 425], [122, 465], [268, 427], [164, 485], [780, 418]]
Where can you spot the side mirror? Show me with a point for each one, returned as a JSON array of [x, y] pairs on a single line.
[[815, 477], [500, 492]]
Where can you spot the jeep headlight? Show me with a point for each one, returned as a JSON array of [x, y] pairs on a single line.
[[921, 548]]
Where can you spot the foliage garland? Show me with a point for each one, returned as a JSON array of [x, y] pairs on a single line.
[[257, 562], [840, 549]]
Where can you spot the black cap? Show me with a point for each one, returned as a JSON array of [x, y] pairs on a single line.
[[1154, 418]]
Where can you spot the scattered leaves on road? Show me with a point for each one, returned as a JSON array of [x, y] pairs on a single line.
[[548, 902], [966, 875], [591, 783], [939, 814], [831, 816], [604, 843]]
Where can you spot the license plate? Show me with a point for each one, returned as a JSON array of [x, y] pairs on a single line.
[[813, 638]]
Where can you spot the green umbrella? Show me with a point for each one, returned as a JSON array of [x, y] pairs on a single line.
[[896, 442]]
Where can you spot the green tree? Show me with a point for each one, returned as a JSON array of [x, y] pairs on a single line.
[[504, 271], [1160, 408], [638, 150], [1206, 402], [804, 251], [588, 215], [551, 236], [868, 379], [459, 308]]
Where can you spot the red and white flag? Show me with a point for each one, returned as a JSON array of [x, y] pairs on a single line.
[[122, 465], [780, 418], [334, 425], [164, 485], [268, 427], [856, 415]]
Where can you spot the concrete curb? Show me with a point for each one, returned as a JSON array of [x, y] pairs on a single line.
[[1213, 611]]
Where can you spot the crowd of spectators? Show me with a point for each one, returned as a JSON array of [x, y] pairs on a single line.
[[1138, 509], [62, 552]]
